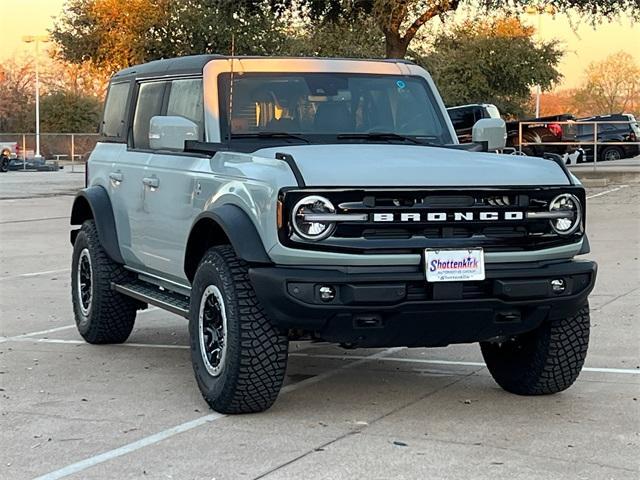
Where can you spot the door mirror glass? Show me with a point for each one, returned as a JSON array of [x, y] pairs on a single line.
[[493, 131], [170, 133]]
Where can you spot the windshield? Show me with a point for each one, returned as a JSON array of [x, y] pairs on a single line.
[[331, 104]]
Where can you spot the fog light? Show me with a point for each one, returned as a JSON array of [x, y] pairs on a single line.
[[558, 285], [327, 293]]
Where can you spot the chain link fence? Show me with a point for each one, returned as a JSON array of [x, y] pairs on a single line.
[[64, 148]]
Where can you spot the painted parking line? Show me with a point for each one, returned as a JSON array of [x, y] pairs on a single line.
[[34, 274], [624, 371], [27, 336], [606, 192], [28, 220], [190, 425], [82, 342]]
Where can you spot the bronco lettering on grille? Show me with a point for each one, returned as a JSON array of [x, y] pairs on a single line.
[[443, 216]]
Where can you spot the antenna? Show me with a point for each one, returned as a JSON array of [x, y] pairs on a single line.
[[230, 110]]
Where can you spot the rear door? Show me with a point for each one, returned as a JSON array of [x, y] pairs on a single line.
[[169, 205]]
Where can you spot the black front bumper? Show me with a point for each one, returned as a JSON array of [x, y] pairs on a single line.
[[395, 306]]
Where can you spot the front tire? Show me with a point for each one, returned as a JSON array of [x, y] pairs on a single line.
[[102, 315], [545, 361], [239, 358]]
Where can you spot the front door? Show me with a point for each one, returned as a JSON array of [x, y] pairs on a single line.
[[172, 187]]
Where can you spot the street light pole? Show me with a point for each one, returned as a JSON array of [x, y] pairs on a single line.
[[37, 39], [539, 10]]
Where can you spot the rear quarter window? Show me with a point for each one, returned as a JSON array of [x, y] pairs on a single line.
[[113, 122]]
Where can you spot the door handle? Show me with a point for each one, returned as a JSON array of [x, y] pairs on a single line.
[[152, 182], [116, 176]]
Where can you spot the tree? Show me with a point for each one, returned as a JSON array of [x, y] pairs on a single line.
[[112, 34], [401, 20], [211, 26], [362, 39], [611, 86], [556, 102], [68, 112], [492, 61], [16, 94]]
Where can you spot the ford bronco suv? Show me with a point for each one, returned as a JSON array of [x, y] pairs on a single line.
[[265, 199]]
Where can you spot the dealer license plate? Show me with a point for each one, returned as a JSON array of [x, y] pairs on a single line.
[[454, 265]]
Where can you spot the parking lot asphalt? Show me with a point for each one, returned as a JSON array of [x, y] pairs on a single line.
[[73, 410]]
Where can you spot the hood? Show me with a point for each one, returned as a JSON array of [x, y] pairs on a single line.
[[393, 165]]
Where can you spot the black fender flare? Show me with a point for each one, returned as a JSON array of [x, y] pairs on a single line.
[[238, 229], [94, 203]]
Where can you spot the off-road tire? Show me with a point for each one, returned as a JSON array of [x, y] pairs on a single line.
[[4, 164], [545, 361], [111, 315], [255, 361]]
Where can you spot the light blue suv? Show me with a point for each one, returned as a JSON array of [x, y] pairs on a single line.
[[265, 199]]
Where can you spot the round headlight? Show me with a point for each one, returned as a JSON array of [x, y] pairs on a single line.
[[570, 206], [312, 229]]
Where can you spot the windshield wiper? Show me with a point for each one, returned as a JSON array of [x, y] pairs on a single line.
[[384, 136], [270, 135]]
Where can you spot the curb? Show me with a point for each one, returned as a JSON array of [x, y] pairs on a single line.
[[607, 176]]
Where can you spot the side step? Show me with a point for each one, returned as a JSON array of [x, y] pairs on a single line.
[[154, 295]]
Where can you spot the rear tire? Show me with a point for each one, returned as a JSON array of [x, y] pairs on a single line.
[[544, 361], [102, 314], [239, 358], [611, 153]]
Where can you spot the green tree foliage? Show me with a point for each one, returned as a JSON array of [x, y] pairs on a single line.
[[117, 33], [342, 38], [208, 26], [401, 20], [113, 34], [66, 112], [494, 62]]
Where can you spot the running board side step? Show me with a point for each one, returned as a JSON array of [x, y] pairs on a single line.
[[153, 295]]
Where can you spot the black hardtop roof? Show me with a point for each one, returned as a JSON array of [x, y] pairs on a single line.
[[193, 64]]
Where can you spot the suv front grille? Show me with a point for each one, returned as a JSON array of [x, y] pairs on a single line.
[[409, 221]]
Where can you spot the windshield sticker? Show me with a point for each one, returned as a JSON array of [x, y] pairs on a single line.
[[401, 84]]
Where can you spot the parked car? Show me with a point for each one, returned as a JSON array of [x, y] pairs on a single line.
[[465, 117], [330, 197], [543, 130], [610, 133]]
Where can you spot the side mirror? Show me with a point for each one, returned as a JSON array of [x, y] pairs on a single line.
[[170, 133], [493, 131]]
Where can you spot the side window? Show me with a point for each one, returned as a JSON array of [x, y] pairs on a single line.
[[586, 129], [457, 118], [186, 100], [113, 122], [149, 104], [464, 118]]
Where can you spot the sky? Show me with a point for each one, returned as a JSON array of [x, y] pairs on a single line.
[[583, 43]]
